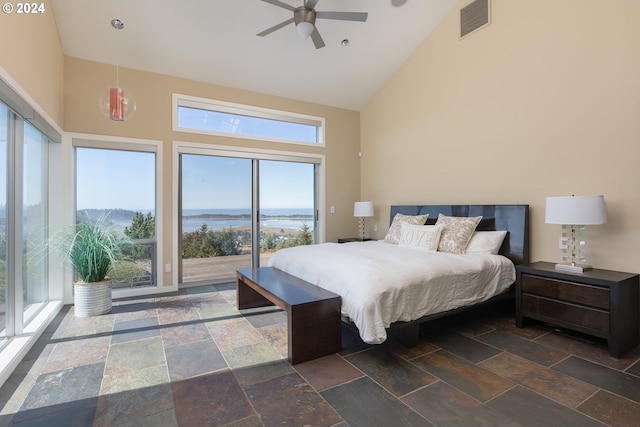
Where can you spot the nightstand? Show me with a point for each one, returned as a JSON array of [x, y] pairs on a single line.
[[602, 303], [352, 239]]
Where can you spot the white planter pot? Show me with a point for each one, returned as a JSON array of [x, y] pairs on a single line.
[[92, 299]]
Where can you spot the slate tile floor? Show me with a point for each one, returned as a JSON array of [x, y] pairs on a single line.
[[191, 359]]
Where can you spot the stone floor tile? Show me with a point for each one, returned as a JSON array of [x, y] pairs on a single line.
[[249, 355], [134, 310], [612, 409], [72, 352], [362, 402], [395, 374], [193, 359], [422, 347], [183, 332], [530, 409], [508, 324], [130, 330], [254, 374], [527, 349], [131, 406], [328, 371], [209, 400], [460, 345], [233, 334], [264, 316], [601, 376], [218, 313], [634, 369], [587, 347], [556, 386], [81, 327], [464, 375], [309, 408], [81, 387], [446, 406], [139, 378], [277, 336], [130, 356]]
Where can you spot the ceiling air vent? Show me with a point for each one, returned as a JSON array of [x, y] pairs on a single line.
[[474, 16]]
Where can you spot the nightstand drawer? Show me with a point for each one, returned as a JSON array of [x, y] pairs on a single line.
[[583, 319], [591, 296]]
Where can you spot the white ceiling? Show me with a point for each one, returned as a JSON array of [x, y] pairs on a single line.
[[215, 41]]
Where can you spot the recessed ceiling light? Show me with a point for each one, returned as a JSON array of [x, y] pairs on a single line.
[[117, 24], [398, 3], [344, 42]]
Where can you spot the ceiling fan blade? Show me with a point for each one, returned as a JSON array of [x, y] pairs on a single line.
[[280, 4], [310, 4], [344, 16], [275, 27], [317, 40]]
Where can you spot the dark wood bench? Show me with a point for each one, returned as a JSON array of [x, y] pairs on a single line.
[[313, 313]]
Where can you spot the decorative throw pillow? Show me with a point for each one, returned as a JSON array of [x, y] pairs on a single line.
[[393, 235], [456, 232], [488, 242], [423, 237]]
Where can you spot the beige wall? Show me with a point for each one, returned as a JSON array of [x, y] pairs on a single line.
[[84, 80], [545, 101], [32, 56]]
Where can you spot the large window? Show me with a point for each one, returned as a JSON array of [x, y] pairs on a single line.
[[116, 185], [199, 115], [24, 225], [237, 208]]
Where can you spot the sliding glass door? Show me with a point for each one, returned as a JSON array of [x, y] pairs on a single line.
[[215, 218], [237, 211], [287, 205]]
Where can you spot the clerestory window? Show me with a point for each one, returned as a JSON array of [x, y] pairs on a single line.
[[212, 117]]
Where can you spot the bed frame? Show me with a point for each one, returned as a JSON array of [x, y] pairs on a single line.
[[513, 218]]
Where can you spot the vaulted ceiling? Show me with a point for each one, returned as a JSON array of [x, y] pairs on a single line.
[[215, 41]]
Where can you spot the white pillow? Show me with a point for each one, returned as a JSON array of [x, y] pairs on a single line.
[[488, 242], [422, 237], [393, 235], [456, 233]]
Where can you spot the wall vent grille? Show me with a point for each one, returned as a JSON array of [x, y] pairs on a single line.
[[474, 16]]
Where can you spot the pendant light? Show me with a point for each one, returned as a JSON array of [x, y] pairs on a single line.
[[115, 102]]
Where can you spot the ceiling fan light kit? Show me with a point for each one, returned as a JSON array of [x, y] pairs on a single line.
[[304, 18], [305, 21]]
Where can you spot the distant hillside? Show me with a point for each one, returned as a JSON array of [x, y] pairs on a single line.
[[117, 216]]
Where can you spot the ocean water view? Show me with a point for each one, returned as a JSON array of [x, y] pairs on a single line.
[[218, 219], [214, 219]]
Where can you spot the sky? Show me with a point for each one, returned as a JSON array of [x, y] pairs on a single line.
[[110, 179]]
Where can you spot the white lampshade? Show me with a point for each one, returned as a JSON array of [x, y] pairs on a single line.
[[363, 209], [304, 29], [576, 210]]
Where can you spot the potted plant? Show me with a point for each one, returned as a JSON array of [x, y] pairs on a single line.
[[92, 249]]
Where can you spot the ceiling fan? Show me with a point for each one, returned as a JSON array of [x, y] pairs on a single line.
[[305, 19]]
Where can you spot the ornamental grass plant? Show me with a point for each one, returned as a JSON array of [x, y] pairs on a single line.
[[92, 249]]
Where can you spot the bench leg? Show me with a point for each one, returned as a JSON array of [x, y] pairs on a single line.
[[246, 297], [314, 330]]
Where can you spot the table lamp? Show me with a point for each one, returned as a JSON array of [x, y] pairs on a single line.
[[362, 210], [574, 213]]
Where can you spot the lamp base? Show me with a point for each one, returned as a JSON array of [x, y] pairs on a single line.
[[573, 267]]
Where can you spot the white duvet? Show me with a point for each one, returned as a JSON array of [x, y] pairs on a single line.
[[381, 283]]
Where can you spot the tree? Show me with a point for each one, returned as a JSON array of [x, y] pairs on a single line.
[[304, 237], [142, 227], [268, 243]]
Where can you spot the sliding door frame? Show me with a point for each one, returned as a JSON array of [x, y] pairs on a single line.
[[180, 147]]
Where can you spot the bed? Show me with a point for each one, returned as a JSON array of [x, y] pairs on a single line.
[[402, 281]]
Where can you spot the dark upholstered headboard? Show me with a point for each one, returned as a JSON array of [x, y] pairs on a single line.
[[513, 218]]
